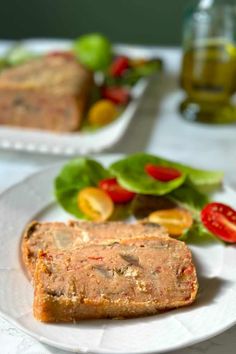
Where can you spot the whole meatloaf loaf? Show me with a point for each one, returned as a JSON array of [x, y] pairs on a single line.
[[47, 93], [60, 236], [129, 278]]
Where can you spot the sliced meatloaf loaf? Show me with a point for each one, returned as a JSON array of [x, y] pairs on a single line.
[[47, 93], [129, 278], [60, 236]]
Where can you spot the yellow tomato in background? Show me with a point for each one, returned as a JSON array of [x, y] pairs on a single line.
[[102, 112]]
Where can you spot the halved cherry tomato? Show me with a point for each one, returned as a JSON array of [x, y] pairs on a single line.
[[95, 203], [220, 219], [162, 173], [115, 94], [119, 66], [117, 193], [175, 220]]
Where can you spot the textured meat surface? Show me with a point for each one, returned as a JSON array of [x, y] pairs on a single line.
[[128, 278], [36, 110], [48, 93], [61, 236], [58, 75]]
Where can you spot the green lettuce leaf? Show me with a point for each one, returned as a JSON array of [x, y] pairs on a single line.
[[205, 181], [198, 234], [131, 174], [189, 197], [74, 176], [18, 55]]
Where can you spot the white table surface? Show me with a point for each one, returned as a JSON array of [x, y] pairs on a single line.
[[158, 128]]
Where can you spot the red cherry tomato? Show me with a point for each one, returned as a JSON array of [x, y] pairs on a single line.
[[115, 94], [119, 66], [162, 173], [220, 219], [117, 193]]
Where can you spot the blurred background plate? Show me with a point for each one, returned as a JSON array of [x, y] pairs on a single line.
[[83, 142]]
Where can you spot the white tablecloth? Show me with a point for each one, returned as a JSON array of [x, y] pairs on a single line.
[[157, 128]]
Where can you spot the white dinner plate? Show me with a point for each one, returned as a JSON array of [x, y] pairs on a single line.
[[213, 312], [81, 142]]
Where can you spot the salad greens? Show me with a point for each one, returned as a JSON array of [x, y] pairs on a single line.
[[130, 172], [151, 194], [76, 175], [189, 197], [134, 74], [16, 55], [205, 181], [198, 234], [94, 51]]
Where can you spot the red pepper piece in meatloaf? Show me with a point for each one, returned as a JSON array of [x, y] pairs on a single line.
[[48, 93], [129, 278], [60, 236]]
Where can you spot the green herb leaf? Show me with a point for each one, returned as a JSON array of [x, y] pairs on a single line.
[[131, 174], [18, 55], [205, 181], [198, 234], [189, 198], [74, 176]]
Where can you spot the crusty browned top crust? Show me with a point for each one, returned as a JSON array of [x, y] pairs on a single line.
[[129, 278], [61, 236], [58, 75]]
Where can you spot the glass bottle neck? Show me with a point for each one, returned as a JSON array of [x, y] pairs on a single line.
[[206, 4]]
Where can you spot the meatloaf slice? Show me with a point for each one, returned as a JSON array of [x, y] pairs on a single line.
[[36, 110], [60, 75], [48, 93], [60, 236], [129, 278]]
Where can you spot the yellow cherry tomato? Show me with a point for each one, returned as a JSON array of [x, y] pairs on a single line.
[[175, 220], [95, 203], [102, 112]]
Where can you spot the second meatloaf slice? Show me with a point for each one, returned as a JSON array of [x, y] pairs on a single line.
[[59, 236], [129, 278]]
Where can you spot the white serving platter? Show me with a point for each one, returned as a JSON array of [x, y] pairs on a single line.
[[13, 138]]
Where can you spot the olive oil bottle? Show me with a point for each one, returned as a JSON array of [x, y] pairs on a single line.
[[208, 74]]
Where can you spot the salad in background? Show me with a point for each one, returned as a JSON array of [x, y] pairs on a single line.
[[149, 189], [114, 75]]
